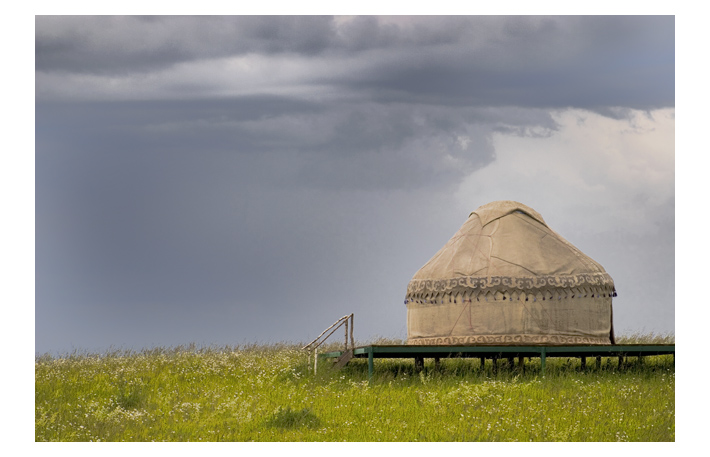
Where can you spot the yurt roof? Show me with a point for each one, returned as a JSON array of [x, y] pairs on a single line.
[[506, 245]]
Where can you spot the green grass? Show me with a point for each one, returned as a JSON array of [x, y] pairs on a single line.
[[268, 393]]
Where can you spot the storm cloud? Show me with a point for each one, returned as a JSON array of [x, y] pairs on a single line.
[[229, 179]]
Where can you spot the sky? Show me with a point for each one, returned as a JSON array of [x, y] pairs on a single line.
[[227, 180]]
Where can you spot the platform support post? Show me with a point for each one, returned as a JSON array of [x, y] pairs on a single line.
[[483, 362], [583, 361], [543, 356], [521, 363], [418, 363], [437, 363], [599, 362], [370, 365]]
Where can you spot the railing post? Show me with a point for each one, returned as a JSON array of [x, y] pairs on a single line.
[[315, 362], [346, 334], [352, 330]]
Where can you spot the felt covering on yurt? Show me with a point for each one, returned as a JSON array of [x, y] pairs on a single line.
[[506, 278]]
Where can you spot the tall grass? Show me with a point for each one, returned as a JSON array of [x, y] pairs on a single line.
[[269, 393], [646, 338]]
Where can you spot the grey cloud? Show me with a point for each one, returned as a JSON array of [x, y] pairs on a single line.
[[363, 145], [587, 62], [120, 44], [546, 62], [183, 215], [105, 44], [395, 146], [546, 67]]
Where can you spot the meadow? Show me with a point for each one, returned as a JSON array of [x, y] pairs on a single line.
[[270, 393]]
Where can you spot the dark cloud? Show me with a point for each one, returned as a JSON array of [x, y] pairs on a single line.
[[125, 44], [363, 145], [182, 199], [108, 44], [555, 63], [546, 62]]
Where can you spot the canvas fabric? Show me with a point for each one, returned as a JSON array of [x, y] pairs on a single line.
[[506, 277]]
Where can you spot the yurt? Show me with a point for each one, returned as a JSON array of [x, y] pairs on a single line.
[[507, 278]]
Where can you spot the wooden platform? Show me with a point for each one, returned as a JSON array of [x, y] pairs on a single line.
[[419, 353]]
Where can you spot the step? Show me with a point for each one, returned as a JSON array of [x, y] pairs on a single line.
[[344, 359]]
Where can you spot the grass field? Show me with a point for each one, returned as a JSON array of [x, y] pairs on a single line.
[[268, 393]]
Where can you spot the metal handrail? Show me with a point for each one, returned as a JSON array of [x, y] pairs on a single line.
[[313, 345]]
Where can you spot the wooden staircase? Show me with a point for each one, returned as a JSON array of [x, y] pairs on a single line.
[[312, 347]]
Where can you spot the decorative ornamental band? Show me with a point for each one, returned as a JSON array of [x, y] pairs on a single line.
[[508, 339], [436, 286]]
